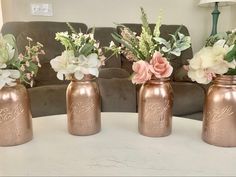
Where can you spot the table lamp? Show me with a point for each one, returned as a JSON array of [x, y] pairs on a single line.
[[216, 12]]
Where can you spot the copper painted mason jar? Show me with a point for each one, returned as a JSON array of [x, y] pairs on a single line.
[[155, 108], [83, 107], [15, 116], [219, 117]]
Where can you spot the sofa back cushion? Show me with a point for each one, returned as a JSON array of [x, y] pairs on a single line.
[[165, 30], [103, 35], [43, 32]]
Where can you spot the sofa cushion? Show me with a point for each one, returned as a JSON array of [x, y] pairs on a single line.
[[103, 35], [118, 95], [52, 100], [109, 73], [188, 98]]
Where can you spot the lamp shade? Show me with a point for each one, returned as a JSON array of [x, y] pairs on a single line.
[[209, 3]]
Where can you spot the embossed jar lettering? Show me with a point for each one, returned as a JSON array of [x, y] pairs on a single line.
[[83, 107], [155, 108], [219, 117], [15, 116]]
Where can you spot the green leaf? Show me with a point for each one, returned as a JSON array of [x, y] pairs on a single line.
[[173, 38], [129, 46], [176, 52], [231, 55], [33, 67], [145, 43], [181, 36], [165, 49], [10, 39], [231, 39], [231, 72], [145, 23], [93, 30], [86, 49], [178, 30], [162, 41], [71, 28], [66, 42], [156, 31], [183, 46]]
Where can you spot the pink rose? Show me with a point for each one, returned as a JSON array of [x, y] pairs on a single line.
[[142, 72], [160, 66]]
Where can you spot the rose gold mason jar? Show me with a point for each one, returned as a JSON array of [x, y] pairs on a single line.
[[155, 108], [15, 116], [219, 117], [83, 106]]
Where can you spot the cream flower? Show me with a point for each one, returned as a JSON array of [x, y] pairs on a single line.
[[208, 62], [67, 64], [87, 65], [63, 64]]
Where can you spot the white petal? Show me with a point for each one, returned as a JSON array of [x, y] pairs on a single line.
[[15, 74], [2, 65], [11, 83], [60, 76], [2, 84], [82, 59], [79, 75], [94, 71], [93, 60], [56, 64], [5, 73], [84, 70], [220, 43]]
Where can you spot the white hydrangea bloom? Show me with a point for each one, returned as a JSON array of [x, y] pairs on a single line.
[[87, 65], [208, 62], [67, 64]]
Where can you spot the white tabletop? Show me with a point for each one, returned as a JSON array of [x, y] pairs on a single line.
[[116, 151]]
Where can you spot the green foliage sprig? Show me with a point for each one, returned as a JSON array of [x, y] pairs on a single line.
[[143, 47]]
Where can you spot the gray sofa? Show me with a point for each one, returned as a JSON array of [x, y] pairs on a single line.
[[117, 92]]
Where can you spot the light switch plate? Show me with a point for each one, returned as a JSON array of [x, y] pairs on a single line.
[[41, 9]]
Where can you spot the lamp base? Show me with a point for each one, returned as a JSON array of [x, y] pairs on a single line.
[[215, 16]]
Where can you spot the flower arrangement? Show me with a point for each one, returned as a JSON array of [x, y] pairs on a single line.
[[217, 57], [149, 52], [14, 67], [82, 55]]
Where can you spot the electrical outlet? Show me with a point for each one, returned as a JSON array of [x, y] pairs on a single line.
[[41, 9]]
